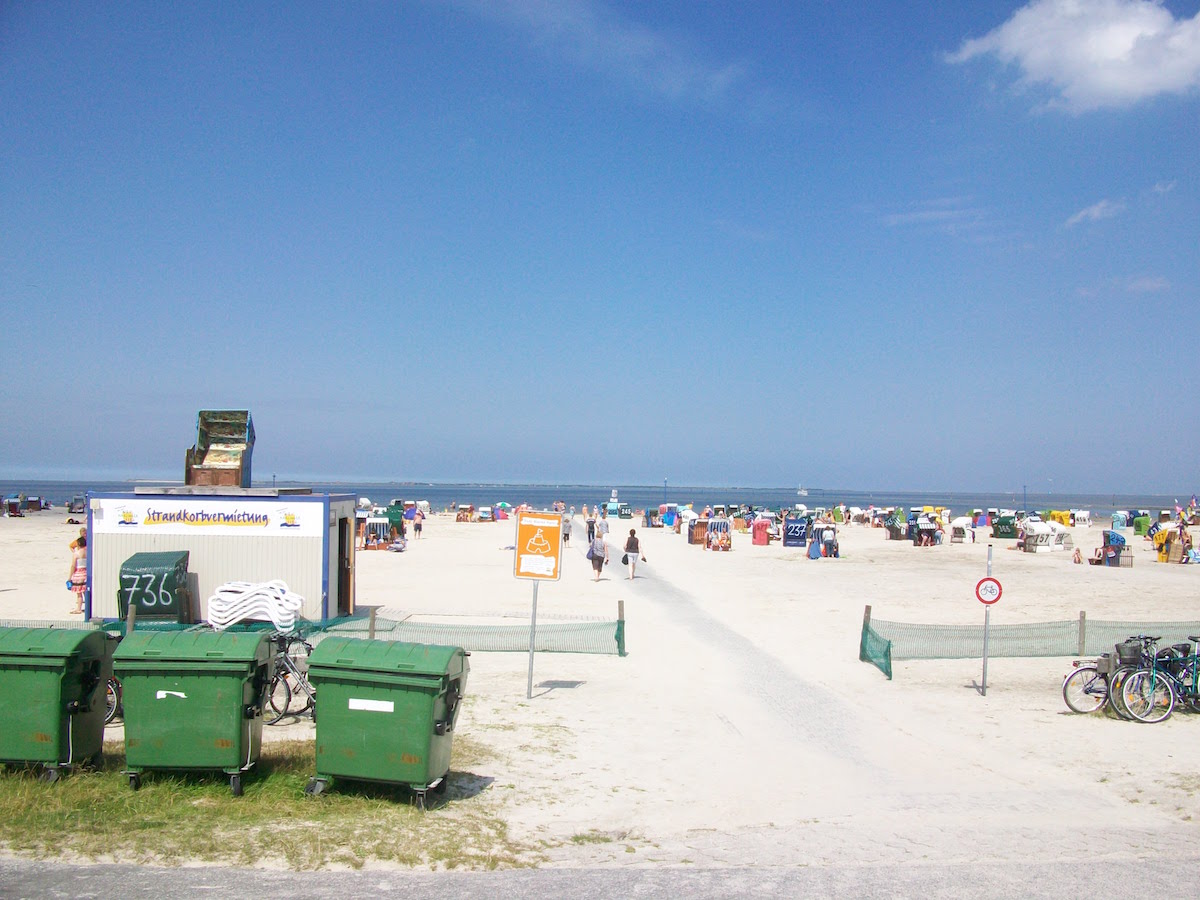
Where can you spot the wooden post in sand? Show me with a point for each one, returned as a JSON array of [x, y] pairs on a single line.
[[371, 624], [866, 618], [130, 616], [1082, 631]]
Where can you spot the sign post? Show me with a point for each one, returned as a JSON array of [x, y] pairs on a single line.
[[987, 592], [537, 556]]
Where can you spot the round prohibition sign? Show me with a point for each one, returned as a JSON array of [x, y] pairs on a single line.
[[988, 590]]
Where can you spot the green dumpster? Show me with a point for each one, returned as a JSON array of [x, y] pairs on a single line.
[[156, 585], [193, 700], [52, 696], [386, 711]]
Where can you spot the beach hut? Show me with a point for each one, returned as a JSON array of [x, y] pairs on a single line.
[[221, 454], [1081, 518], [1004, 527], [1113, 552], [1061, 516], [377, 533], [962, 531], [1141, 525], [924, 532], [1038, 536], [1060, 537], [717, 535], [760, 531], [254, 535], [1118, 520]]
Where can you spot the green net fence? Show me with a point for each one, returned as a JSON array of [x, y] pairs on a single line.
[[883, 641], [592, 636]]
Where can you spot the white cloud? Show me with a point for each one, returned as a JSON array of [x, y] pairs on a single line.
[[1096, 53], [939, 211], [1164, 187], [1148, 285], [592, 35], [1105, 209]]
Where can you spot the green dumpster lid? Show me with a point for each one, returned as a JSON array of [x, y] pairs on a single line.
[[40, 642], [192, 646], [400, 657]]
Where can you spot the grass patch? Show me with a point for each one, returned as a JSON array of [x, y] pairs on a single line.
[[592, 837], [182, 817]]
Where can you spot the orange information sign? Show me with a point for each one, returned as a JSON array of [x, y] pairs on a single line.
[[538, 553]]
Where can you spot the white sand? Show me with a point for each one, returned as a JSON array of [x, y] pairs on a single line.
[[741, 728]]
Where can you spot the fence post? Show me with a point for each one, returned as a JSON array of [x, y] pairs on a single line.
[[371, 624], [1082, 632], [620, 628], [866, 617], [130, 618]]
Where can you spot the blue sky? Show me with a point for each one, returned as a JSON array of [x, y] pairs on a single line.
[[858, 245]]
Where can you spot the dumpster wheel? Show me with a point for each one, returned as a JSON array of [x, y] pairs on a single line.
[[315, 787], [49, 775], [235, 785], [135, 781]]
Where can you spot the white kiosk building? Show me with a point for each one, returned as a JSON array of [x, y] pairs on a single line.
[[231, 534]]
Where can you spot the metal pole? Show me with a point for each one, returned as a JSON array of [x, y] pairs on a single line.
[[532, 630], [987, 622]]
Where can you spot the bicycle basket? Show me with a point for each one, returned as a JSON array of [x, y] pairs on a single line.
[[1106, 664], [1129, 653]]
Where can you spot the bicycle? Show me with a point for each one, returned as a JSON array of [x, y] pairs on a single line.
[[1099, 681], [289, 683], [1173, 676]]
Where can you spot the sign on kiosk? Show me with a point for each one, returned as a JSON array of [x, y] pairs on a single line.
[[538, 554]]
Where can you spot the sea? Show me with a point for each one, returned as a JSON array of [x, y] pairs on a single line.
[[640, 496]]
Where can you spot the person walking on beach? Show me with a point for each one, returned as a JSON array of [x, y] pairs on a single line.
[[418, 518], [633, 551], [602, 524], [77, 574], [591, 528], [567, 528], [599, 551]]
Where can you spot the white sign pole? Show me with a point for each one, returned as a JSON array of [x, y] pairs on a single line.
[[987, 621], [532, 630]]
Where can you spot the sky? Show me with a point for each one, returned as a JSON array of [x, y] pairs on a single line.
[[852, 245]]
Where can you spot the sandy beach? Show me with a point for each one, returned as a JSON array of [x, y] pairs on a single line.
[[741, 727]]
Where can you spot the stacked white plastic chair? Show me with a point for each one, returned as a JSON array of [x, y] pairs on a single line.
[[238, 601]]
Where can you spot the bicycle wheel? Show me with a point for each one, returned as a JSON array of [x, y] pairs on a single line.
[[1148, 696], [279, 697], [1085, 690], [1115, 682], [112, 700]]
